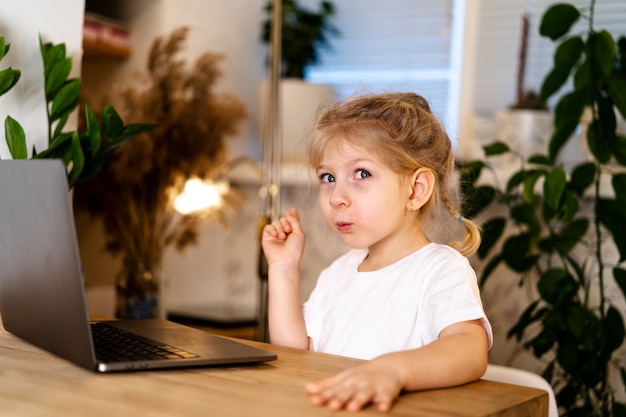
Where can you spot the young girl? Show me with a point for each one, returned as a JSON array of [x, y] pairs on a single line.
[[410, 305]]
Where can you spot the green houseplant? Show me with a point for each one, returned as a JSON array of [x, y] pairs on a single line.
[[84, 153], [303, 33], [561, 221]]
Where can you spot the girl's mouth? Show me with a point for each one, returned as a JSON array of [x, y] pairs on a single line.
[[343, 227]]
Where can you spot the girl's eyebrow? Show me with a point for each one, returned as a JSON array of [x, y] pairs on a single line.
[[352, 162]]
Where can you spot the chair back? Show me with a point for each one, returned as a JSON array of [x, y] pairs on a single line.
[[525, 378]]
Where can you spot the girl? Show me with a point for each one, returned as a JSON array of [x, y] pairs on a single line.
[[410, 305]]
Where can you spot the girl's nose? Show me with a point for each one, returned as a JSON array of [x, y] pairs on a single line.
[[339, 196]]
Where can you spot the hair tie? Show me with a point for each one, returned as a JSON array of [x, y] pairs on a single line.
[[460, 218]]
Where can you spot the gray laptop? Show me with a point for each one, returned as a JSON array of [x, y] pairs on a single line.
[[42, 295]]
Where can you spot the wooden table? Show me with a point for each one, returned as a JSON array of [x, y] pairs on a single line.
[[36, 383]]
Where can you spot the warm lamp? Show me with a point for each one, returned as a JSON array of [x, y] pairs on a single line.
[[201, 195]]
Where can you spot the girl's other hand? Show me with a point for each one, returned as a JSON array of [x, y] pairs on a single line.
[[355, 388]]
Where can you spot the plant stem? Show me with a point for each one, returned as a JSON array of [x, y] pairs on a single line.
[[523, 52], [592, 7], [598, 232]]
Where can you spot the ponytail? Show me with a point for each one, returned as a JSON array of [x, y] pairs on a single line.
[[471, 242]]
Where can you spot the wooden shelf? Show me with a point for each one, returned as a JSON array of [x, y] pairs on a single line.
[[97, 49]]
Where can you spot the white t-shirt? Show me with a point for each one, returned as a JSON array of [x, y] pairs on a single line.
[[402, 306]]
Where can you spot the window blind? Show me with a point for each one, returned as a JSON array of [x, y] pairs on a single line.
[[499, 35], [390, 46]]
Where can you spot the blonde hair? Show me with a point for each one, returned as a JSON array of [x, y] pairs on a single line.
[[402, 131]]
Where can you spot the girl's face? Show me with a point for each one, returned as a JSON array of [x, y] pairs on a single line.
[[364, 200]]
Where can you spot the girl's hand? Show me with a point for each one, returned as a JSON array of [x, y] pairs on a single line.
[[372, 382], [283, 240]]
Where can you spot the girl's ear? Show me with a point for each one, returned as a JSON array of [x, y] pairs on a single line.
[[422, 187]]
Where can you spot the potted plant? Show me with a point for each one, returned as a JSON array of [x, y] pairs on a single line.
[[564, 223], [303, 33], [84, 153], [526, 124]]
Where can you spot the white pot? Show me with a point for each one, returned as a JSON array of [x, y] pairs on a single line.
[[300, 105], [525, 131]]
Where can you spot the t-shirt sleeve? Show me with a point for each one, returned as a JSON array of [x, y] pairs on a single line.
[[455, 297]]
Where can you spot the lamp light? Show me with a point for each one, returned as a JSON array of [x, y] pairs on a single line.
[[201, 195]]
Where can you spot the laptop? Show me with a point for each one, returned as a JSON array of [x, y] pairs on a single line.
[[42, 292]]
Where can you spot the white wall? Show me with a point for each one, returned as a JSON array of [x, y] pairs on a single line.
[[21, 24]]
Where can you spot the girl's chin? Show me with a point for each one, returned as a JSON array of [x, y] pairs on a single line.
[[353, 243]]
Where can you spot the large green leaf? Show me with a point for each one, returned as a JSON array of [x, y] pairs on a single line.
[[15, 138], [488, 269], [539, 159], [58, 130], [471, 171], [516, 179], [136, 129], [93, 130], [553, 82], [617, 89], [8, 78], [598, 142], [568, 53], [59, 148], [66, 100], [528, 190], [51, 54], [557, 20], [492, 230], [582, 177], [77, 157], [569, 356], [583, 80], [527, 318], [557, 287], [496, 148], [59, 73], [476, 200], [552, 322], [524, 213], [4, 48], [619, 149], [580, 322], [613, 215], [601, 53], [554, 186], [566, 119], [570, 207], [619, 275], [112, 124], [614, 326], [571, 235], [515, 250]]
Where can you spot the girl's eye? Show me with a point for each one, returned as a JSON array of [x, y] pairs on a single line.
[[327, 178], [362, 174]]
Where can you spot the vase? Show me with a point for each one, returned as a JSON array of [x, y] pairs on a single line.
[[138, 290]]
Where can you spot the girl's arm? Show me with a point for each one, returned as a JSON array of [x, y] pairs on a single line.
[[283, 245], [459, 356]]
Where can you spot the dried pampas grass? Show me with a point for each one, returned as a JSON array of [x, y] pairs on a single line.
[[133, 195]]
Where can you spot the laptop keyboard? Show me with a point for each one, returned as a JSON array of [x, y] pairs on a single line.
[[113, 344]]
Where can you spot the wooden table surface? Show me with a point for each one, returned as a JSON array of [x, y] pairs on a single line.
[[36, 383]]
